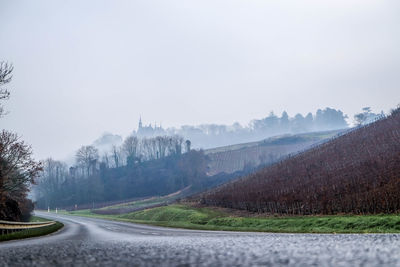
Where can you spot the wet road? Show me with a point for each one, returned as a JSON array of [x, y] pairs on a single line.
[[96, 242]]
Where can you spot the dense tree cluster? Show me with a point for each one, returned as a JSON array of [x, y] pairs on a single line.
[[358, 172], [134, 150], [140, 167]]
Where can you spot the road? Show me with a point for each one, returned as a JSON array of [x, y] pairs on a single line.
[[96, 242]]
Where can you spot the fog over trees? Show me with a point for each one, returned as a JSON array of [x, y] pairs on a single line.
[[214, 135], [206, 136], [155, 161], [139, 167], [366, 116]]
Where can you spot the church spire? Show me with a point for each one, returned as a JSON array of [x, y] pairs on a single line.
[[140, 123]]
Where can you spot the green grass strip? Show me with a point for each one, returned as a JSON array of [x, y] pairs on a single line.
[[184, 216]]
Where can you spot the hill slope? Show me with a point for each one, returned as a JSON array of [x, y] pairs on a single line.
[[358, 172], [234, 158]]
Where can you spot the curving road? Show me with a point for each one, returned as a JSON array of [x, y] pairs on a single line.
[[96, 242]]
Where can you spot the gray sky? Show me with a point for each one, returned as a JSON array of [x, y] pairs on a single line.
[[85, 67]]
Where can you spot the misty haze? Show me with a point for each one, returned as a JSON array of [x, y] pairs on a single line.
[[199, 133]]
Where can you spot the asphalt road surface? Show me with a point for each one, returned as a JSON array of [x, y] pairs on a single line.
[[96, 242]]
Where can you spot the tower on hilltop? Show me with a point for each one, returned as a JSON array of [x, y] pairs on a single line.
[[140, 123]]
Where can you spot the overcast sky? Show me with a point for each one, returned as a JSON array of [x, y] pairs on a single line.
[[85, 67]]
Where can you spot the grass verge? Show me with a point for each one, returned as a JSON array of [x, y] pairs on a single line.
[[184, 216], [33, 232]]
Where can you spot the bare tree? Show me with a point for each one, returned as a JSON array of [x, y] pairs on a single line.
[[87, 157], [176, 144], [53, 175], [17, 167], [162, 145], [105, 160], [153, 148], [116, 156], [362, 117], [5, 77], [145, 148], [149, 148], [130, 147]]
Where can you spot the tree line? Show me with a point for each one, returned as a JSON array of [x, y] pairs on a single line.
[[133, 150], [214, 135], [138, 168]]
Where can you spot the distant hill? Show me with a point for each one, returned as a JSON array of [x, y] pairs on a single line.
[[206, 136], [358, 172], [230, 159]]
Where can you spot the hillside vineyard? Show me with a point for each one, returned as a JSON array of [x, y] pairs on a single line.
[[235, 160], [358, 173]]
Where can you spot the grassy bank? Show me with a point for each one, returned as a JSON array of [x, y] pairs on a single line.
[[183, 216], [33, 232]]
